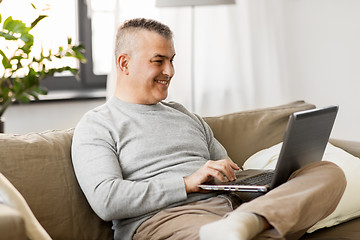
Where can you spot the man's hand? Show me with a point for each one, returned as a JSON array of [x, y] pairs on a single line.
[[212, 169]]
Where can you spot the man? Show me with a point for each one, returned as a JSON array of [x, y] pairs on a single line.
[[139, 160]]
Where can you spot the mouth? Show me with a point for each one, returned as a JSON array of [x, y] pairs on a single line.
[[163, 82]]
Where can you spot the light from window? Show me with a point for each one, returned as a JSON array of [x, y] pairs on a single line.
[[49, 33], [103, 30]]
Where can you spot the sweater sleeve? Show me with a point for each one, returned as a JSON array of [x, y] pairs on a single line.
[[99, 174]]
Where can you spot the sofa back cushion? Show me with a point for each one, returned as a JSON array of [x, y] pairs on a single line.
[[244, 133], [40, 167]]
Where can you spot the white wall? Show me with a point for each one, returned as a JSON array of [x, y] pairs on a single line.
[[25, 118], [322, 58]]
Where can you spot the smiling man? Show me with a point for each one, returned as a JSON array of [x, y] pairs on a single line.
[[139, 160], [144, 74]]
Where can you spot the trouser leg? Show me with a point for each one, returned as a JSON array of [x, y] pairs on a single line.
[[183, 222], [311, 194]]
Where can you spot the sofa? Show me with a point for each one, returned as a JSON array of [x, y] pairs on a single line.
[[39, 167]]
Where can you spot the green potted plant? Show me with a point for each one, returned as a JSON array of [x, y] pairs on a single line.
[[22, 71]]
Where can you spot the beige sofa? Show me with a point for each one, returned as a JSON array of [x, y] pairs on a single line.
[[39, 166]]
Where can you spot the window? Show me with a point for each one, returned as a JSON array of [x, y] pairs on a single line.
[[103, 32], [67, 18], [88, 79]]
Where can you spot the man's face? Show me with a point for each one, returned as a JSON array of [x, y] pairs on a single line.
[[150, 67]]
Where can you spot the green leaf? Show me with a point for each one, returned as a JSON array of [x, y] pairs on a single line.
[[31, 79], [79, 48], [69, 54], [33, 6], [27, 47], [74, 71], [23, 98], [0, 18], [5, 93], [5, 61], [40, 90], [16, 86], [27, 37], [7, 36], [15, 26], [32, 94], [37, 20], [76, 52], [17, 57], [80, 56], [9, 19], [36, 91], [41, 55]]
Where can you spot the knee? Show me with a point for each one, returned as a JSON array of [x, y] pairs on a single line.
[[325, 172], [336, 174], [332, 174]]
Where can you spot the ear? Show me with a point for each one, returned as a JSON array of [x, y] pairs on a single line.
[[123, 62]]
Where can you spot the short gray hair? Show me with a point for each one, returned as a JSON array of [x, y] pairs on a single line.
[[126, 32]]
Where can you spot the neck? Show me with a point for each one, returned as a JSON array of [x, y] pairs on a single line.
[[125, 94]]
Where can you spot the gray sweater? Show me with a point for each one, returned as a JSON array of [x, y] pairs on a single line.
[[130, 159]]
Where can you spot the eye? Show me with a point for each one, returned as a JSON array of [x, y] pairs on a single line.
[[158, 61]]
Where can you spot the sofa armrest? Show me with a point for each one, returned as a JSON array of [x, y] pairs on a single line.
[[12, 224], [351, 147]]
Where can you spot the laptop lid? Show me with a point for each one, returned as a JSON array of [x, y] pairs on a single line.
[[304, 141]]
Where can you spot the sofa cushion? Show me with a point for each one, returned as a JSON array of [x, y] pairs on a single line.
[[40, 167], [244, 133]]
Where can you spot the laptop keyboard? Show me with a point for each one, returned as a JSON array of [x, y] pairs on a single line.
[[261, 179]]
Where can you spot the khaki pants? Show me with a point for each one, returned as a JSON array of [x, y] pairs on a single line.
[[311, 194]]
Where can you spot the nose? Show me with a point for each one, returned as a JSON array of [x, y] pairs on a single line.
[[169, 69]]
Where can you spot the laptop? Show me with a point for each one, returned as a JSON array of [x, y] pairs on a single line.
[[304, 142]]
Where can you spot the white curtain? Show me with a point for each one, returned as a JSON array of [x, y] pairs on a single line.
[[238, 53]]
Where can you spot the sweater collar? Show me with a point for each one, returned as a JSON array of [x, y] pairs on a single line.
[[135, 107]]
